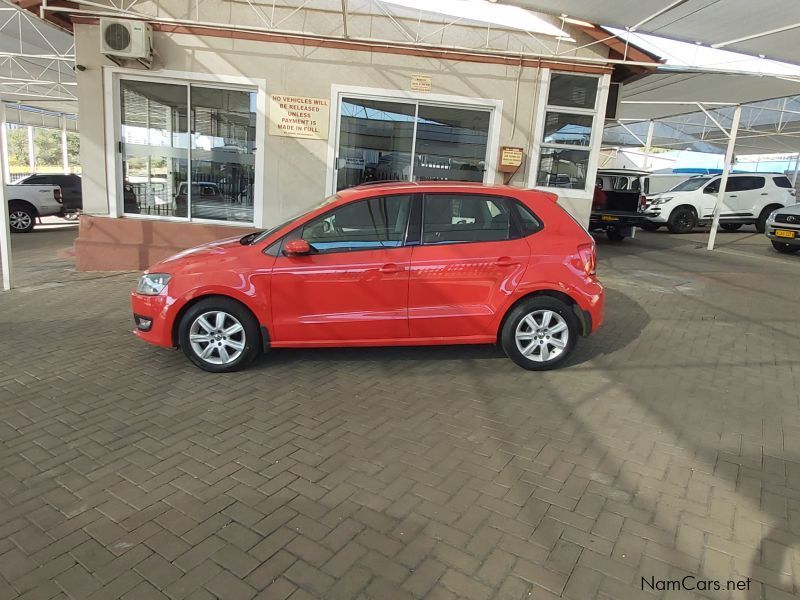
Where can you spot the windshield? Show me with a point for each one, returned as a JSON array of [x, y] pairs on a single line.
[[695, 183], [264, 234]]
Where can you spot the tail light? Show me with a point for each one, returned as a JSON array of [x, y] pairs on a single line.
[[57, 195], [642, 202], [588, 258]]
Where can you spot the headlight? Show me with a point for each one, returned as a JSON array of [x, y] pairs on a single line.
[[661, 200], [152, 284]]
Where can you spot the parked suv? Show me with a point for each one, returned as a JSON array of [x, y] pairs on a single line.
[[749, 199], [384, 265], [783, 228]]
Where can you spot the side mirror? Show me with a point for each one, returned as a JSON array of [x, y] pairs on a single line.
[[297, 248]]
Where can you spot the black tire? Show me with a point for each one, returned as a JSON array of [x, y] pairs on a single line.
[[614, 235], [730, 226], [22, 218], [514, 320], [249, 337], [784, 248], [761, 222], [682, 220], [648, 226]]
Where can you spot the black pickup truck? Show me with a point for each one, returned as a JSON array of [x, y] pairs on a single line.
[[618, 203]]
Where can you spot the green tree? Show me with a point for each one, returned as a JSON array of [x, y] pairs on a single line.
[[17, 145]]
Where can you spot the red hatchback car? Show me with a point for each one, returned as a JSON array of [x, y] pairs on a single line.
[[384, 265]]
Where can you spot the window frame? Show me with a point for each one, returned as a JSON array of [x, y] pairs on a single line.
[[595, 140], [493, 106], [515, 228], [112, 78], [297, 232]]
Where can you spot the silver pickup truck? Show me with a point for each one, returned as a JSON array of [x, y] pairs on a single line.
[[27, 202]]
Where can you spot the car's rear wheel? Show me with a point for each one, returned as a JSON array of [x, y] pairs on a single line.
[[540, 333], [648, 226], [730, 226], [784, 248], [219, 335], [682, 220], [21, 219], [614, 235]]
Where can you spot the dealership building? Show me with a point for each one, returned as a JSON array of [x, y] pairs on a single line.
[[232, 128]]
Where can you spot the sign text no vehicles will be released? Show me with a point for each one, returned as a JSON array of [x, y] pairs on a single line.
[[299, 116]]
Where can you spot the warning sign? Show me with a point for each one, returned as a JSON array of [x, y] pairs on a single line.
[[299, 116]]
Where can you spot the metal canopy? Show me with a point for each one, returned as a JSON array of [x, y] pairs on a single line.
[[755, 28]]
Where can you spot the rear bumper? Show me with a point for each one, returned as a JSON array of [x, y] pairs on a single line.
[[590, 307], [604, 219]]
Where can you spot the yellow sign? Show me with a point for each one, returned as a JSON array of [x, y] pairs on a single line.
[[420, 83], [510, 158], [299, 116]]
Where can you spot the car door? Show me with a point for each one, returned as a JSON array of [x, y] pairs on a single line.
[[748, 197], [468, 262], [709, 198], [353, 287]]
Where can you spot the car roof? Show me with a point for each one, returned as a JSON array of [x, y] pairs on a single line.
[[416, 187], [623, 172]]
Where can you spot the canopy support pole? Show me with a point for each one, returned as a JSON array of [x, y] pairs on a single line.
[[648, 144], [796, 169], [64, 153], [5, 231], [723, 182]]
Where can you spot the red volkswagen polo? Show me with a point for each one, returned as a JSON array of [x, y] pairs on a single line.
[[384, 265]]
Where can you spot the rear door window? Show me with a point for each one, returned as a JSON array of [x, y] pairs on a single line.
[[460, 218]]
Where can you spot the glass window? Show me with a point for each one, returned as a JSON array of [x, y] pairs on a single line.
[[563, 167], [367, 224], [223, 153], [563, 128], [451, 144], [155, 143], [380, 140], [453, 218], [782, 182], [375, 141], [745, 184], [560, 163], [691, 184], [168, 143], [530, 224], [575, 91]]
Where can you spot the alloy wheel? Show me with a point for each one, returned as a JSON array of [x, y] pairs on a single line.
[[19, 219], [217, 337], [542, 335]]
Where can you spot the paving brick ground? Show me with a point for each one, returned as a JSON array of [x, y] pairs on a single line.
[[669, 446]]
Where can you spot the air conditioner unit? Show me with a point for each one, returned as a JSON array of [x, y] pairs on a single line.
[[123, 39]]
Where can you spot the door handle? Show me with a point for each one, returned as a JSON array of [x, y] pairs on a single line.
[[505, 261], [733, 196], [765, 193], [390, 268]]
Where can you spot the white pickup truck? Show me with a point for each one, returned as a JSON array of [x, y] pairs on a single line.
[[27, 202]]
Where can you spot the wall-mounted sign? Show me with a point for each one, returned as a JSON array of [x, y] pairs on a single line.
[[510, 159], [299, 116], [420, 83]]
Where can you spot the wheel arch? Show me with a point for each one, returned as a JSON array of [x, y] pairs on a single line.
[[176, 322], [585, 324], [23, 203]]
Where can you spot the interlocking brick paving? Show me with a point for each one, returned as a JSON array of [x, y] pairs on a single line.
[[670, 445]]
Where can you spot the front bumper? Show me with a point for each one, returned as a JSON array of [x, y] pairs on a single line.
[[156, 310], [773, 228]]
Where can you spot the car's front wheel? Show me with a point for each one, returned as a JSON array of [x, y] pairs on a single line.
[[539, 333], [682, 220], [784, 248], [219, 335]]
